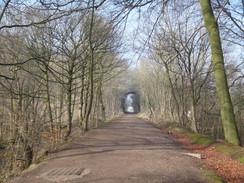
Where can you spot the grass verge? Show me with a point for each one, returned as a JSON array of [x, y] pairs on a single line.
[[212, 177], [234, 152]]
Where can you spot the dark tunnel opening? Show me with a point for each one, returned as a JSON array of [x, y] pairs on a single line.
[[131, 103]]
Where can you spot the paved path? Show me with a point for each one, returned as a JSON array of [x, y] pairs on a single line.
[[127, 150]]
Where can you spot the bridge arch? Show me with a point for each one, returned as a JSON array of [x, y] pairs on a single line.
[[130, 103]]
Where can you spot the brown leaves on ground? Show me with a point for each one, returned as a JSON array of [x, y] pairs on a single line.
[[231, 170]]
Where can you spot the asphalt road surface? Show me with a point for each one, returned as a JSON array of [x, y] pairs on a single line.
[[127, 150]]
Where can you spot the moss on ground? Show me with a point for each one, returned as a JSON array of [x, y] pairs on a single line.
[[233, 151], [176, 127], [212, 177], [201, 139]]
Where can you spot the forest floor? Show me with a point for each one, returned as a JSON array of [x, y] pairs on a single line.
[[221, 163], [127, 150]]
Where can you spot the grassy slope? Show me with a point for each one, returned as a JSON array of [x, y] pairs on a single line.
[[235, 152], [212, 177]]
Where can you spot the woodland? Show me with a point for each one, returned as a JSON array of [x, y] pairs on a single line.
[[66, 65]]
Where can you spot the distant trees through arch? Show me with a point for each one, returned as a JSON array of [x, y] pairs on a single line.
[[130, 103]]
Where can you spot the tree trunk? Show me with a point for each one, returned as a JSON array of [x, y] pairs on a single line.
[[226, 108], [100, 98], [82, 97], [69, 108], [60, 112], [48, 101], [89, 107], [28, 156], [179, 120], [193, 109], [193, 119], [91, 72]]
